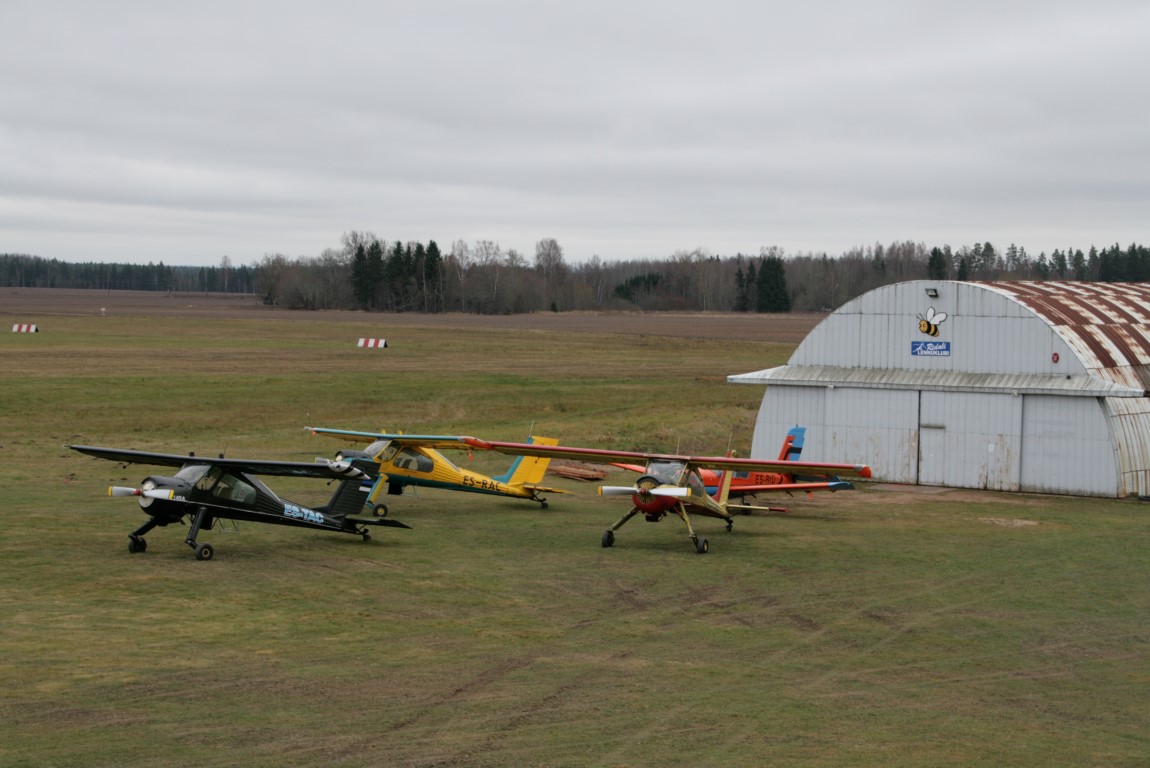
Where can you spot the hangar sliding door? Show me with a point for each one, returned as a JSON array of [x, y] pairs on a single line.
[[878, 427], [970, 440], [1067, 447]]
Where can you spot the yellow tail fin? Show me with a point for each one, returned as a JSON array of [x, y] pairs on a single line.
[[529, 470], [725, 483]]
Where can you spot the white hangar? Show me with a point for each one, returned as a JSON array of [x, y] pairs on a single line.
[[1012, 386]]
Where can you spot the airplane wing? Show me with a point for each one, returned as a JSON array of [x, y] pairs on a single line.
[[753, 488], [438, 442], [319, 468], [640, 468], [601, 456], [830, 485]]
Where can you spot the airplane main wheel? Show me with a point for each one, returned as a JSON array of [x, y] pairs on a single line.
[[608, 537], [204, 551], [701, 546], [380, 510], [136, 545], [366, 535]]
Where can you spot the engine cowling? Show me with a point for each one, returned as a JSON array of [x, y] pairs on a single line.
[[159, 487], [652, 506]]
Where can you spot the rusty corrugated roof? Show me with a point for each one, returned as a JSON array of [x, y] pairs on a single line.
[[1106, 324]]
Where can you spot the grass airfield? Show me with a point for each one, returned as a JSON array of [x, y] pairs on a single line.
[[888, 626]]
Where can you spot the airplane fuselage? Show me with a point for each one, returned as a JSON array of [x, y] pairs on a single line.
[[227, 496], [428, 468]]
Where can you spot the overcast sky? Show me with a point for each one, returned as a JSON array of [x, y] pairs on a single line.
[[184, 132]]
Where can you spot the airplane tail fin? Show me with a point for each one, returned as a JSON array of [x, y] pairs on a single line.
[[725, 483], [792, 444], [351, 494], [528, 470], [725, 486]]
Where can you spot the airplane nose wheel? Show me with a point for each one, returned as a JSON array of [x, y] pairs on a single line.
[[701, 546]]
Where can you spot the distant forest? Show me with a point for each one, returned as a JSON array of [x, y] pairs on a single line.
[[370, 273]]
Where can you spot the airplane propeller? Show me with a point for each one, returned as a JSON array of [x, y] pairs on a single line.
[[631, 490], [153, 493], [343, 468]]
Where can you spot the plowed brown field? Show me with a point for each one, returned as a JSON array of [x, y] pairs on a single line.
[[38, 305]]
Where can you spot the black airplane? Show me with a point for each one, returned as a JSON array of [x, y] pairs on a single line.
[[208, 490]]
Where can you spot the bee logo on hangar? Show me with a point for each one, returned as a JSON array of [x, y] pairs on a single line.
[[929, 324]]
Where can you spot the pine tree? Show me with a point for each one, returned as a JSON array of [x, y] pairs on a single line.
[[741, 302], [936, 266], [773, 295], [360, 284]]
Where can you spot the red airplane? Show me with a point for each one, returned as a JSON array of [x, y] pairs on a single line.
[[748, 483], [674, 484]]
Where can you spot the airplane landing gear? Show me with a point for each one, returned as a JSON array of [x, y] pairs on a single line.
[[608, 537], [136, 541], [203, 551], [701, 545], [380, 510]]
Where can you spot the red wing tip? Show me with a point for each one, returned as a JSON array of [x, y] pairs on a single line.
[[475, 442], [864, 470]]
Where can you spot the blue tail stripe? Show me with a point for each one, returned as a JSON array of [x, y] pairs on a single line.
[[506, 477]]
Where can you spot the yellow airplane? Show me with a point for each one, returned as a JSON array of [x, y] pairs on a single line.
[[416, 460]]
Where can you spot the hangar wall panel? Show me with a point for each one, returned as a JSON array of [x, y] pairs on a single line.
[[785, 407], [988, 332], [970, 440], [878, 427], [1067, 447], [844, 425], [1130, 425]]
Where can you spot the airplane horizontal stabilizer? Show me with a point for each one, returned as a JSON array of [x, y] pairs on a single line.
[[386, 521], [544, 489]]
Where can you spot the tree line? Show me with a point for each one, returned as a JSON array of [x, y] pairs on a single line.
[[373, 274], [24, 271]]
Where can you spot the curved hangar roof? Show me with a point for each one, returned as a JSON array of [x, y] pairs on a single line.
[[1087, 339]]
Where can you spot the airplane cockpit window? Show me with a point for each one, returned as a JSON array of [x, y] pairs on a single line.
[[416, 462], [234, 489], [666, 472], [695, 483], [375, 448], [202, 475]]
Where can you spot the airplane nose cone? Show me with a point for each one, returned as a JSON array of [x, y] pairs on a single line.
[[643, 499]]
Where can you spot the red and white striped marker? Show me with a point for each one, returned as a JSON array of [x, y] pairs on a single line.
[[24, 328], [372, 343]]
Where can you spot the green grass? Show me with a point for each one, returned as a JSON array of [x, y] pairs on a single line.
[[881, 627]]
